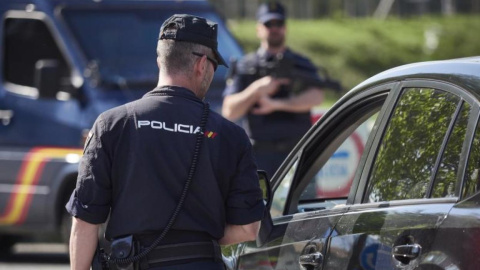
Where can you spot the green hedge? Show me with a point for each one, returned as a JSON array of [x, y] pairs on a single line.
[[354, 49]]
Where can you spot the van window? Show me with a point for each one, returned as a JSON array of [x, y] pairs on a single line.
[[123, 49], [26, 42]]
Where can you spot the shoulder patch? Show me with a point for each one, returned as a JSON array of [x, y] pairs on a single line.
[[210, 134]]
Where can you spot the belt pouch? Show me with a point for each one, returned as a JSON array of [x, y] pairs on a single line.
[[123, 248], [99, 261]]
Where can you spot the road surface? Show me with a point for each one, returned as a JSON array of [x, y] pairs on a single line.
[[36, 256]]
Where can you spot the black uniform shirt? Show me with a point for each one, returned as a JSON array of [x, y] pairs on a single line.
[[277, 126], [136, 162]]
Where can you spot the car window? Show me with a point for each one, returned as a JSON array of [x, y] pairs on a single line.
[[331, 183], [334, 179], [472, 177], [406, 157], [446, 178], [321, 174], [281, 193]]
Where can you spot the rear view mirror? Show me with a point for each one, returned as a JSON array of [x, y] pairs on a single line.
[[267, 223], [47, 78]]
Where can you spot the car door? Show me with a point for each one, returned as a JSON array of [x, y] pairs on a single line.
[[456, 240], [410, 181], [312, 185]]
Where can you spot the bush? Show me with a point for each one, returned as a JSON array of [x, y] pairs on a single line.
[[354, 49]]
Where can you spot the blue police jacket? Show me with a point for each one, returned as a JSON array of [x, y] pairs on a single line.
[[277, 126], [136, 160]]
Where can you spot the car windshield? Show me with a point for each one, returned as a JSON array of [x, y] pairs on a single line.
[[120, 44]]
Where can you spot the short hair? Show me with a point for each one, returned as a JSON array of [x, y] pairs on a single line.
[[177, 57]]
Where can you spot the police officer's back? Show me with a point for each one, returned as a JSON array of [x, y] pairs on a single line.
[[139, 156]]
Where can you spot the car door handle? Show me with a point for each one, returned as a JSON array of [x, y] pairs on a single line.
[[407, 251], [313, 259], [6, 117]]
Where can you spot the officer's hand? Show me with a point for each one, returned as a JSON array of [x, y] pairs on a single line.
[[268, 85], [266, 105]]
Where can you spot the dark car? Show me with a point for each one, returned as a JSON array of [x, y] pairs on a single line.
[[388, 178]]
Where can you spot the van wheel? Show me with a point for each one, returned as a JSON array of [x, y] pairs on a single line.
[[6, 244]]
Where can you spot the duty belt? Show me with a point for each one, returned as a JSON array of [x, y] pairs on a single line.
[[183, 252]]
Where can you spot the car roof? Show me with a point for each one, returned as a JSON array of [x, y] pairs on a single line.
[[464, 72], [41, 3], [99, 1]]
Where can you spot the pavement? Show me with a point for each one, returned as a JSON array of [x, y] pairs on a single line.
[[36, 256]]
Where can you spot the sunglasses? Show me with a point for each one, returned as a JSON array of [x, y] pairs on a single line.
[[274, 23], [214, 62]]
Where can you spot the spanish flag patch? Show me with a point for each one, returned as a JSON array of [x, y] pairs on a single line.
[[210, 134]]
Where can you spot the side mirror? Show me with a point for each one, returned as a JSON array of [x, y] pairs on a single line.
[[265, 187], [47, 78], [266, 223]]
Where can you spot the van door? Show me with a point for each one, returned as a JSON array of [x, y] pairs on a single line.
[[38, 117]]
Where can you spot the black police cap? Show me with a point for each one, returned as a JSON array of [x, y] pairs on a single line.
[[192, 29], [271, 11]]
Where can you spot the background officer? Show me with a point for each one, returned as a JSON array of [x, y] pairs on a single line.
[[277, 109], [138, 155]]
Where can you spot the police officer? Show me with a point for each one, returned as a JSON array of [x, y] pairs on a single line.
[[277, 113], [137, 159]]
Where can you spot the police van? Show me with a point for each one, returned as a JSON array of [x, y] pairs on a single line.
[[62, 63]]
